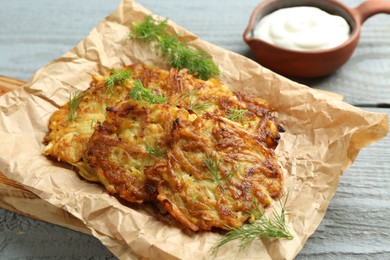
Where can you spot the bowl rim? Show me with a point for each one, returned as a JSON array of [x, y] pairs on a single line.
[[352, 15]]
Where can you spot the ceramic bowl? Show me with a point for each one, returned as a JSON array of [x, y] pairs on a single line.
[[310, 64]]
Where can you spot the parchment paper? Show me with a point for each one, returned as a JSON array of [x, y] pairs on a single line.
[[323, 137]]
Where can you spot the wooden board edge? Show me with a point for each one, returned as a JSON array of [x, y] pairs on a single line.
[[7, 84], [16, 198]]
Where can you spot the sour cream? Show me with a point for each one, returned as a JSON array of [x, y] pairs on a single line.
[[302, 28]]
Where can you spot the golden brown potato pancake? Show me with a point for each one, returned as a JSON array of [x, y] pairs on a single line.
[[67, 137], [133, 136], [199, 96], [204, 154], [215, 174]]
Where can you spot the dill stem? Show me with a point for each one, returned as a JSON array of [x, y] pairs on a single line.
[[180, 54], [262, 228]]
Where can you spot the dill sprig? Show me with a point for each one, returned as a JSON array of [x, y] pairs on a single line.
[[233, 172], [230, 175], [262, 228], [155, 151], [117, 77], [197, 107], [213, 167], [237, 114], [140, 93], [180, 54], [74, 103]]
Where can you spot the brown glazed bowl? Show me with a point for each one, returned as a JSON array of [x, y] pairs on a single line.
[[310, 64]]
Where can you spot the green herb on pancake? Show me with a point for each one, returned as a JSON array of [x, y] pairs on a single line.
[[140, 93], [155, 151], [194, 105], [262, 228], [74, 103], [236, 114], [213, 167], [180, 54], [117, 77]]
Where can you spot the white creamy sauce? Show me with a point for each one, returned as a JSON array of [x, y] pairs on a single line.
[[302, 28]]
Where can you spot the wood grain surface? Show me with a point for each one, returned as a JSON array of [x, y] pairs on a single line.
[[8, 84], [356, 225]]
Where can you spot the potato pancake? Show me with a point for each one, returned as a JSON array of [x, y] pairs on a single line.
[[203, 153], [72, 125], [215, 174], [133, 136], [199, 96]]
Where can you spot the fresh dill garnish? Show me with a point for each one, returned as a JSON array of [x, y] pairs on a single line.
[[155, 151], [237, 114], [140, 93], [233, 172], [180, 54], [117, 77], [213, 167], [230, 175], [74, 103], [197, 107], [262, 228]]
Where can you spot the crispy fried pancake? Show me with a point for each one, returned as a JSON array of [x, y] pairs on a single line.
[[199, 96], [133, 136], [215, 173], [67, 138], [205, 154]]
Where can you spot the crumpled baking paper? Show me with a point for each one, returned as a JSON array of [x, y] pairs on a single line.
[[323, 137]]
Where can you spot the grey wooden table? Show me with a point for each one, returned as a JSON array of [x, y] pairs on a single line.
[[356, 225]]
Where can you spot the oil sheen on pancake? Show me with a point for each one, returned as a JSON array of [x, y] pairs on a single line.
[[67, 139], [133, 136], [204, 154], [215, 174]]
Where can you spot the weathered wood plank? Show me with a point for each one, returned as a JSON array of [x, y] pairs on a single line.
[[363, 79], [8, 84], [31, 40], [355, 226]]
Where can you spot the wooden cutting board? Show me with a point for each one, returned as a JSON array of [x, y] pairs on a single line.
[[16, 198]]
